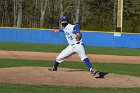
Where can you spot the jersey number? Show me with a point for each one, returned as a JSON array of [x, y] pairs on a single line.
[[70, 37]]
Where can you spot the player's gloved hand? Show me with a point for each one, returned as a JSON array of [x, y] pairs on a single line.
[[78, 36]]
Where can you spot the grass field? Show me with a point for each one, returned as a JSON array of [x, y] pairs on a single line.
[[128, 69], [17, 88], [59, 48]]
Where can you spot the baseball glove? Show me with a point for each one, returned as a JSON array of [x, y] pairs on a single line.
[[79, 36]]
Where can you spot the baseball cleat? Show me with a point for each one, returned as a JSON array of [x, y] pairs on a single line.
[[94, 72], [52, 69]]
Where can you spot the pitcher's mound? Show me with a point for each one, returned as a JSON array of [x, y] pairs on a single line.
[[66, 77]]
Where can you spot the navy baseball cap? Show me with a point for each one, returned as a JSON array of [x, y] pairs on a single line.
[[64, 18]]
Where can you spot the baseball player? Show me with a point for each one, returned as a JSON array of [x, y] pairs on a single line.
[[74, 38]]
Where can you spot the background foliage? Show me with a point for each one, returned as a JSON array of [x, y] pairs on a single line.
[[90, 14]]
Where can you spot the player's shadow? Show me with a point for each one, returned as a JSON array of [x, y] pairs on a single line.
[[101, 75]]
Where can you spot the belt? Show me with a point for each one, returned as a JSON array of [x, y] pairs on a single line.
[[77, 43]]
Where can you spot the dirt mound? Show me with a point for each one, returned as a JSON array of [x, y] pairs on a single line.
[[66, 77]]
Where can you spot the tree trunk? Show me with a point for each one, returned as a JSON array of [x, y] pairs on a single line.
[[19, 19], [36, 14], [43, 11], [61, 11], [115, 16], [52, 13], [5, 14], [15, 12], [78, 12]]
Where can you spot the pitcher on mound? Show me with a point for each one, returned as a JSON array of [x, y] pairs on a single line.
[[76, 45]]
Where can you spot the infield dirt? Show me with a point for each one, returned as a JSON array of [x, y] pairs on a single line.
[[65, 76]]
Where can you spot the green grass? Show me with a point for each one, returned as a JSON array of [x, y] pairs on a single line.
[[17, 88], [31, 47], [128, 69], [58, 48]]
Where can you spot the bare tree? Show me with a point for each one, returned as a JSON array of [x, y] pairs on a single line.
[[61, 11], [35, 13], [5, 13], [115, 16], [77, 12], [15, 12], [19, 18], [43, 11]]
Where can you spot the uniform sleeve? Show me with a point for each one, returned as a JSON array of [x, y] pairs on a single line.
[[77, 28], [61, 30]]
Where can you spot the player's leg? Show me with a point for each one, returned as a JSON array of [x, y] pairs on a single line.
[[81, 52], [64, 54]]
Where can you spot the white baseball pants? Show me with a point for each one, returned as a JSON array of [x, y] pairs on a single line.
[[70, 50]]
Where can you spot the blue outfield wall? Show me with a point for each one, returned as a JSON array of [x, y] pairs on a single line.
[[50, 37], [109, 40]]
